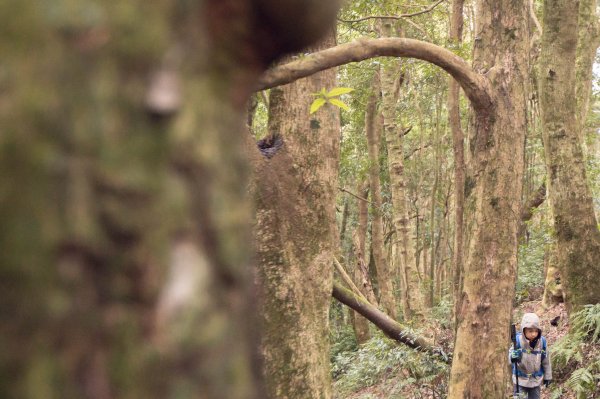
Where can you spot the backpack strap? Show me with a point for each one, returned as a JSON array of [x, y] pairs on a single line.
[[538, 373], [543, 348]]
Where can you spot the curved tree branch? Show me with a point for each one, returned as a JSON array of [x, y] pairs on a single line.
[[390, 327], [476, 86]]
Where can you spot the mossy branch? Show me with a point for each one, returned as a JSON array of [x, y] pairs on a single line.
[[390, 327]]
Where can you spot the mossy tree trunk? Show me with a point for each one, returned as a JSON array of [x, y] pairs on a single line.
[[575, 224], [92, 202], [490, 269], [588, 40], [295, 237]]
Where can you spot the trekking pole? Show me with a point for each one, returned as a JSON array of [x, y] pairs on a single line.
[[513, 338]]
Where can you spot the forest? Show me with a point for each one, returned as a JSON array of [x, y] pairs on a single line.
[[299, 199]]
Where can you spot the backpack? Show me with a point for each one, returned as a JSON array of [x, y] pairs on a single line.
[[538, 373]]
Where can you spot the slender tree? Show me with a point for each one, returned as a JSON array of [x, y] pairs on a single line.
[[402, 247], [361, 275], [455, 37], [373, 130]]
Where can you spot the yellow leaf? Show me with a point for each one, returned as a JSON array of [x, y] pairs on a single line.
[[339, 103], [318, 103], [338, 91]]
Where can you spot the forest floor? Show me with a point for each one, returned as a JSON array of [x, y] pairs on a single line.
[[391, 386]]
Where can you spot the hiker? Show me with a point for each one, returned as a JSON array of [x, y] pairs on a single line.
[[531, 358]]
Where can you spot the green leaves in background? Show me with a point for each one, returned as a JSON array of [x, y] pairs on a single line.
[[324, 97]]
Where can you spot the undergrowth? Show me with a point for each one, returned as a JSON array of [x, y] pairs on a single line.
[[392, 366], [576, 357]]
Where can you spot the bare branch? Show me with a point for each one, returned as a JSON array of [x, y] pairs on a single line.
[[354, 195], [476, 86], [417, 149], [419, 28], [401, 16], [347, 279]]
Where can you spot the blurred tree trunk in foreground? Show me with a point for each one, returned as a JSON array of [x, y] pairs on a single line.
[[95, 187]]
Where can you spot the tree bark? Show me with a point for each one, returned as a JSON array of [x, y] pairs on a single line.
[[575, 224], [490, 269], [588, 40], [532, 203], [90, 202], [401, 245], [456, 28], [295, 238], [361, 273], [384, 276]]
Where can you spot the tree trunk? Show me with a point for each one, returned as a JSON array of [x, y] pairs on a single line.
[[90, 202], [401, 245], [361, 273], [430, 279], [490, 269], [456, 28], [553, 293], [295, 238], [384, 276], [587, 45], [575, 225]]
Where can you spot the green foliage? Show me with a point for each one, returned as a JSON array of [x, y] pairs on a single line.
[[576, 357], [383, 360], [531, 261], [581, 382], [324, 97], [342, 340], [442, 312], [587, 320]]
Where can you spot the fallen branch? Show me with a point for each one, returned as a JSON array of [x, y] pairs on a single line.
[[390, 327]]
